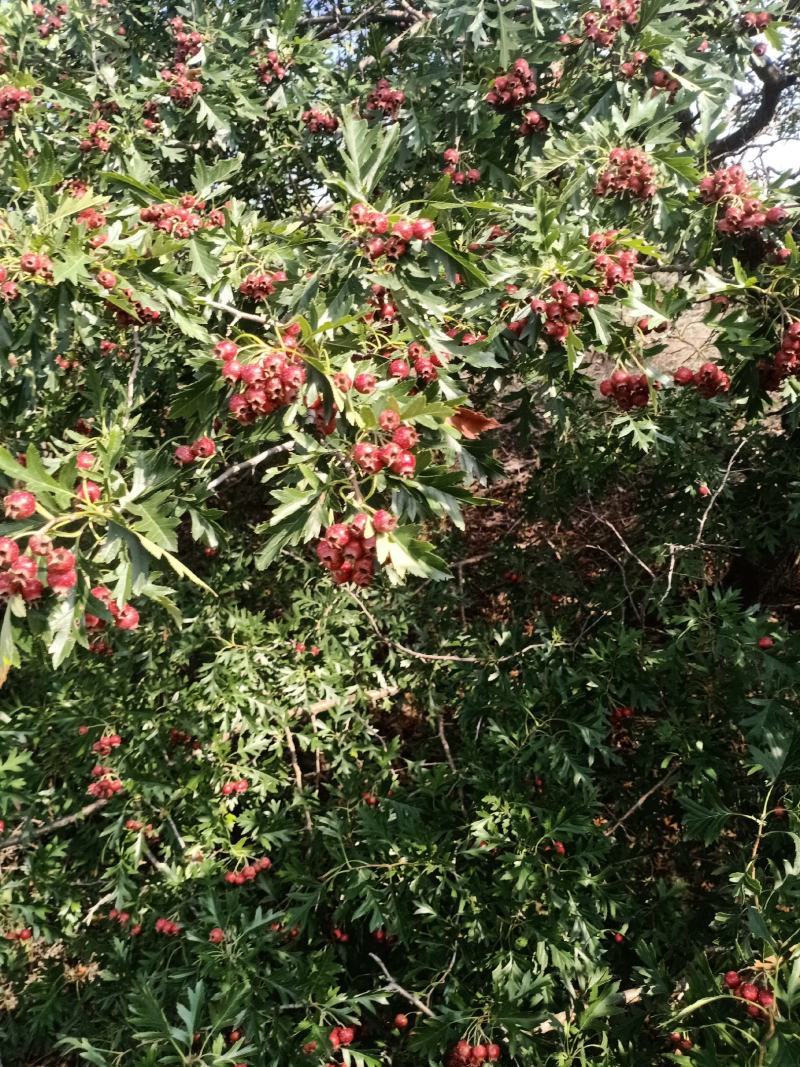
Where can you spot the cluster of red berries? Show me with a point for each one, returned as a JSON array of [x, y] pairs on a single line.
[[341, 1036], [50, 22], [680, 1043], [603, 28], [258, 285], [271, 68], [532, 122], [347, 553], [121, 917], [620, 716], [135, 826], [618, 268], [202, 448], [470, 176], [144, 314], [663, 82], [91, 218], [125, 617], [316, 121], [18, 935], [787, 359], [241, 785], [759, 1000], [150, 117], [19, 575], [511, 89], [248, 873], [182, 219], [629, 390], [709, 379], [562, 311], [463, 1053], [340, 935], [40, 266], [9, 290], [743, 212], [95, 141], [182, 87], [11, 100], [384, 100], [187, 44], [425, 366], [629, 170], [106, 783], [631, 67], [181, 737], [394, 454], [168, 927], [756, 20], [106, 744], [383, 243], [382, 309], [271, 383]]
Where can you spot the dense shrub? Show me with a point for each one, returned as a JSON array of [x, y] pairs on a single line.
[[398, 642]]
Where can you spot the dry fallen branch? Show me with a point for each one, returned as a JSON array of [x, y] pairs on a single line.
[[646, 796]]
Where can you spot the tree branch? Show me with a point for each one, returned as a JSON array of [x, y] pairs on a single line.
[[395, 987], [773, 84], [248, 464], [51, 827]]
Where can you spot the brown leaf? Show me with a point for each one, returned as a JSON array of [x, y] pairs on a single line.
[[472, 423]]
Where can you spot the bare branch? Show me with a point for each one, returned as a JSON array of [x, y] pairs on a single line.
[[22, 834], [236, 313], [774, 83], [395, 987], [249, 464], [646, 796], [719, 489]]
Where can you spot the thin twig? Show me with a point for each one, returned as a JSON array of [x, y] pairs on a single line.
[[621, 539], [229, 309], [50, 828], [446, 746], [395, 987], [298, 774], [249, 464], [176, 832], [152, 859], [719, 488], [431, 656], [635, 807], [103, 900], [135, 364]]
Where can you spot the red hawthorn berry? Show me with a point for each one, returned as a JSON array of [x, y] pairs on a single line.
[[19, 504], [388, 420], [398, 368], [216, 936], [423, 229], [89, 492], [493, 1053], [226, 350], [107, 279], [748, 991], [703, 490], [765, 998], [365, 383], [204, 448], [478, 1053], [383, 521], [401, 1021], [127, 618], [377, 223], [765, 642], [184, 456]]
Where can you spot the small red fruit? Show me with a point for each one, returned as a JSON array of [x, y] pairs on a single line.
[[401, 1021], [765, 643], [19, 504]]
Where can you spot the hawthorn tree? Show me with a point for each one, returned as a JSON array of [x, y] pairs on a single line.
[[396, 633]]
